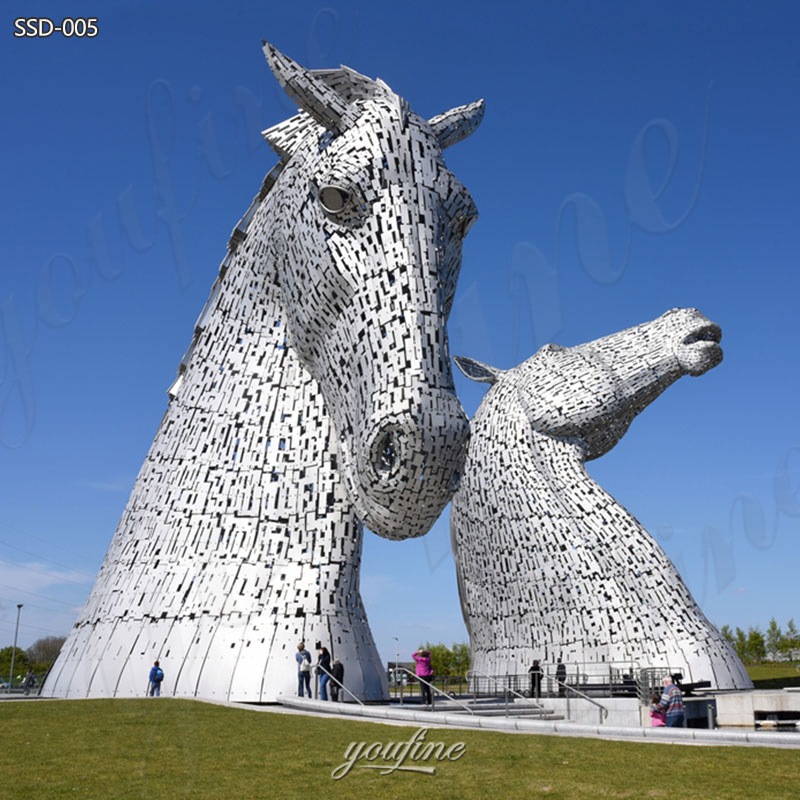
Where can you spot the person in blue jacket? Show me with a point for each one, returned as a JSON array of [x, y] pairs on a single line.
[[156, 676]]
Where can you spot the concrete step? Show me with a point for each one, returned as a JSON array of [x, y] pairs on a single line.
[[497, 709]]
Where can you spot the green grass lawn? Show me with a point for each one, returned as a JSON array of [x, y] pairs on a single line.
[[167, 748], [774, 676]]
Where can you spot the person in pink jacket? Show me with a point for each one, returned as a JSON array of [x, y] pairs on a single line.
[[658, 718], [425, 671]]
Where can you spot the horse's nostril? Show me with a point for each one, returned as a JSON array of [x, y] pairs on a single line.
[[387, 453], [455, 480]]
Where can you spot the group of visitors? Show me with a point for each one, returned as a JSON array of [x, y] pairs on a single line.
[[666, 708], [330, 672]]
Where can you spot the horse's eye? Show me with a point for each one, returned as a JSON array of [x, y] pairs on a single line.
[[334, 199]]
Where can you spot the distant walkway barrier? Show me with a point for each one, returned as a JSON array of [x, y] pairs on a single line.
[[434, 690], [474, 677], [576, 685]]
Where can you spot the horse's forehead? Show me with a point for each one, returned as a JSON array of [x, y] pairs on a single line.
[[399, 138], [548, 361], [384, 124]]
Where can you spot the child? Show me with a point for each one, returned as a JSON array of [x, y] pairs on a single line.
[[658, 717]]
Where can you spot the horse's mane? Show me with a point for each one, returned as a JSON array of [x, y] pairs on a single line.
[[351, 86]]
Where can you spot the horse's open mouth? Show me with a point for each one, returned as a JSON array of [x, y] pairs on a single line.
[[700, 350], [707, 333]]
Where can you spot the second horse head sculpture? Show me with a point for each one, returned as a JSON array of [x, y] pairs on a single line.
[[550, 565]]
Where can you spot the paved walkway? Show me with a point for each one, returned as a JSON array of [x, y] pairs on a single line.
[[408, 715]]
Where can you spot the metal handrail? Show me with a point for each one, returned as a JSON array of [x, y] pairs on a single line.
[[506, 689], [602, 709], [570, 690], [650, 680], [590, 670], [339, 683], [439, 691]]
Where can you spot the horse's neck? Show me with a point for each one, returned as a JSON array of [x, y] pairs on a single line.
[[259, 411], [541, 481], [508, 459], [514, 465]]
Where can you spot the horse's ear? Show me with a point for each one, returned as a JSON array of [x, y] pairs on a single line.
[[477, 371], [313, 95], [457, 123]]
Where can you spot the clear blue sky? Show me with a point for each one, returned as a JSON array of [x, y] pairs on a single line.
[[634, 157]]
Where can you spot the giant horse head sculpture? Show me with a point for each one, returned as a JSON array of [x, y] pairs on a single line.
[[589, 394], [549, 564], [367, 241]]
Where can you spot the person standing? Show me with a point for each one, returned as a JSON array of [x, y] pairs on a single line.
[[337, 678], [155, 678], [672, 703], [535, 672], [324, 671], [303, 658], [29, 682], [561, 677], [424, 671]]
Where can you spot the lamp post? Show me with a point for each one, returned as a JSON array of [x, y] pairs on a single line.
[[14, 650]]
